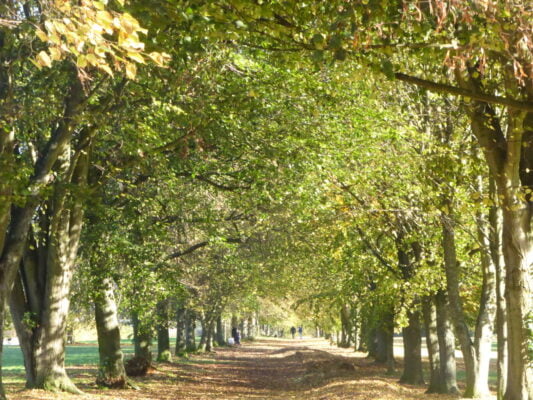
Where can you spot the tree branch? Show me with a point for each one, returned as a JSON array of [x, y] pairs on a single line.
[[443, 88]]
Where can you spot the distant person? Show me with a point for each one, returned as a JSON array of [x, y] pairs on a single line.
[[300, 331], [236, 335], [293, 331]]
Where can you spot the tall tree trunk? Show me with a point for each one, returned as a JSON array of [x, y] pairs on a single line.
[[181, 328], [446, 338], [21, 217], [495, 238], [432, 343], [456, 305], [487, 309], [345, 316], [412, 344], [142, 338], [209, 335], [220, 332], [203, 337], [163, 338], [385, 341], [44, 282], [412, 340], [510, 160], [190, 326], [111, 371], [518, 253]]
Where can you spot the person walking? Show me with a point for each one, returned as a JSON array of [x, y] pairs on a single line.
[[293, 331], [300, 331]]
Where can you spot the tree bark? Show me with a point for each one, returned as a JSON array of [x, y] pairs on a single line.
[[190, 326], [21, 217], [163, 338], [412, 344], [220, 332], [111, 371], [456, 305], [446, 338], [180, 331], [487, 309], [209, 335], [142, 338], [432, 343], [43, 287], [495, 238], [509, 158]]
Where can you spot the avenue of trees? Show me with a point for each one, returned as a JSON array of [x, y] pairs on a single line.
[[367, 164]]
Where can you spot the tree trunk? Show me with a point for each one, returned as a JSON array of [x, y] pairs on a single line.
[[111, 371], [142, 338], [181, 327], [518, 253], [190, 326], [209, 335], [446, 338], [432, 343], [203, 337], [385, 342], [495, 238], [42, 290], [487, 310], [412, 344], [220, 332], [456, 306], [163, 338], [509, 157]]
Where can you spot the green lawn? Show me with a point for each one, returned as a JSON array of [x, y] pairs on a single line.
[[76, 355]]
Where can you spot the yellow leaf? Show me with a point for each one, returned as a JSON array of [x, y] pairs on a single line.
[[105, 19], [41, 35], [55, 53], [43, 59], [99, 5], [131, 70], [136, 57], [81, 61], [92, 59], [159, 58], [106, 68]]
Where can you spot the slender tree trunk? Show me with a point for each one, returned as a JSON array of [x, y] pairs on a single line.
[[181, 322], [487, 310], [220, 332], [412, 344], [163, 338], [209, 335], [501, 311], [203, 337], [250, 327], [432, 343], [446, 338], [509, 157], [456, 306], [518, 253], [111, 371], [190, 326]]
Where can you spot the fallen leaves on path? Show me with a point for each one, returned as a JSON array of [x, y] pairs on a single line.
[[265, 369]]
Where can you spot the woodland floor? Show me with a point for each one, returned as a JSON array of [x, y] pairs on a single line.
[[307, 369]]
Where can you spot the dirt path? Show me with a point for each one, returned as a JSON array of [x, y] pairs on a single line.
[[265, 369]]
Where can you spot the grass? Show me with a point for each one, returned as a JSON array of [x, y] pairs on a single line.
[[83, 353]]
